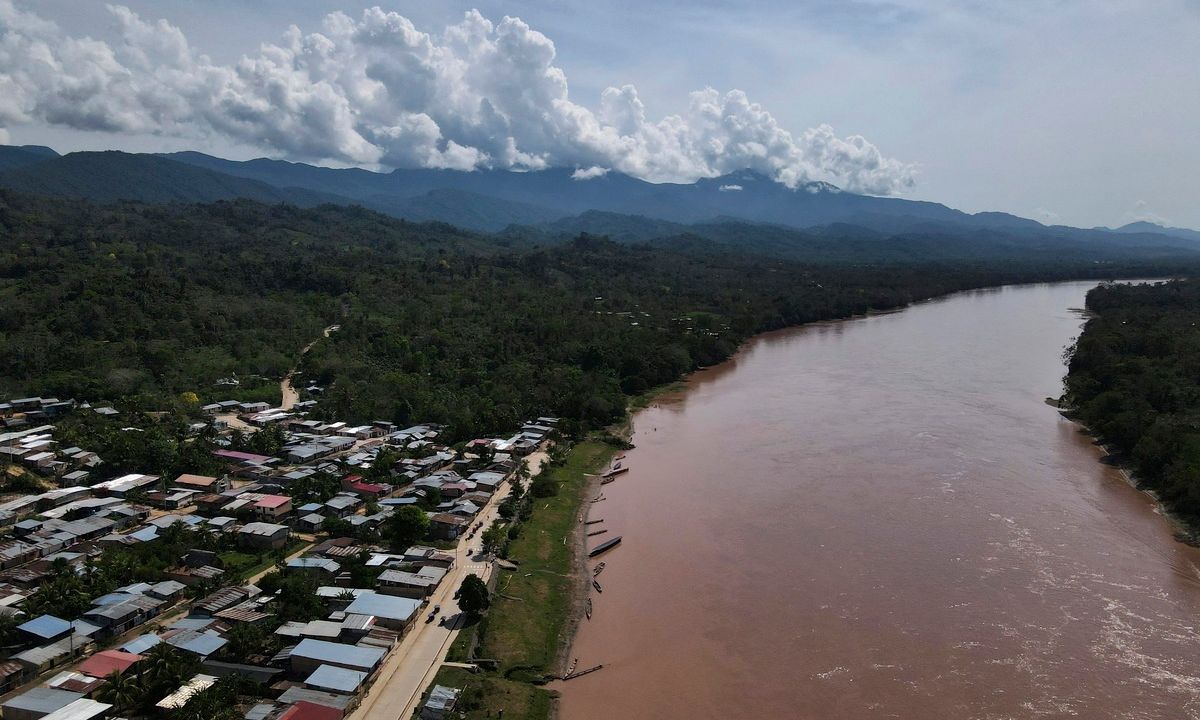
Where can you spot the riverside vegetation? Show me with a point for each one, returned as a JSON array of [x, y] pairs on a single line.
[[1134, 380], [149, 306]]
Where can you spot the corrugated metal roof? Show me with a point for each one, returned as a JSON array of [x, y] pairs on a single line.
[[328, 677], [74, 682], [81, 709], [305, 563], [384, 606], [191, 623], [321, 628], [316, 697], [141, 643], [242, 614], [45, 626], [43, 700], [338, 654], [83, 627], [262, 528], [442, 698], [180, 697], [260, 712], [106, 662], [168, 587], [39, 656], [201, 643]]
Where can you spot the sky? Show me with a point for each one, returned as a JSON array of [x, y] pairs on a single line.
[[1081, 112]]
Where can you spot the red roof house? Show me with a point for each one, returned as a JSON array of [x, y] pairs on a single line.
[[364, 489], [106, 662], [273, 506], [305, 710]]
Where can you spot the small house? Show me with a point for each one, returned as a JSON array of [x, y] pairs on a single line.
[[263, 536], [444, 526]]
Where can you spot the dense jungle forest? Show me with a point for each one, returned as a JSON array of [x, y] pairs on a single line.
[[1134, 380], [151, 306]]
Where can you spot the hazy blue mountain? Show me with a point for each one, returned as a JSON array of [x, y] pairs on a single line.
[[842, 242], [746, 195], [615, 226], [1149, 227], [549, 203], [461, 208], [111, 176]]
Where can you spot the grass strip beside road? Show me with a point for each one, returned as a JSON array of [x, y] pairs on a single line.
[[525, 625], [530, 612], [485, 695]]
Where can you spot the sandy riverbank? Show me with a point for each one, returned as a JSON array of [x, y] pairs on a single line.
[[581, 575]]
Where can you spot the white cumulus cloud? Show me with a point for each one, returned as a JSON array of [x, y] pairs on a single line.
[[376, 91], [594, 171]]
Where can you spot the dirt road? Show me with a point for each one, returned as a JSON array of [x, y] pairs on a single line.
[[290, 396]]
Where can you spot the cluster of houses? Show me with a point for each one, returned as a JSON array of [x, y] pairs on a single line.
[[34, 449], [322, 667]]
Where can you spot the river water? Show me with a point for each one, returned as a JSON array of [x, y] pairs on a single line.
[[881, 518]]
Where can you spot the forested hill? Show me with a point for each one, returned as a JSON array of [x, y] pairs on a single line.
[[1135, 381], [112, 176], [138, 304]]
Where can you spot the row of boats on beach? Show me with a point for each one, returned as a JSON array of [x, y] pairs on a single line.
[[615, 469]]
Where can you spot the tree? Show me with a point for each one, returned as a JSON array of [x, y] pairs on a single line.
[[543, 486], [8, 629], [337, 527], [245, 640], [165, 668], [406, 527], [494, 539], [217, 702], [433, 498], [508, 508], [473, 598], [122, 690], [297, 599]]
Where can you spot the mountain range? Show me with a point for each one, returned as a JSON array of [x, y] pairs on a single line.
[[741, 209]]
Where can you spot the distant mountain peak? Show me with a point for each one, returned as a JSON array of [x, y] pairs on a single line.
[[820, 186]]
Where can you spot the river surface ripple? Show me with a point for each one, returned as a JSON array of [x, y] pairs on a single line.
[[881, 518]]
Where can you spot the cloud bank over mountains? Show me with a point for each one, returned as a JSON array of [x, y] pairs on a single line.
[[375, 91]]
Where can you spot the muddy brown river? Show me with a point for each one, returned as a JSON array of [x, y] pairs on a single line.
[[881, 518]]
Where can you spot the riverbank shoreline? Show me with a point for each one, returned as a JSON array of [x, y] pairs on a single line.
[[1185, 532], [581, 575]]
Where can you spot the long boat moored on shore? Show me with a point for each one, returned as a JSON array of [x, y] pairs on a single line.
[[606, 545]]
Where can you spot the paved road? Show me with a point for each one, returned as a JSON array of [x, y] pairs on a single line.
[[414, 662]]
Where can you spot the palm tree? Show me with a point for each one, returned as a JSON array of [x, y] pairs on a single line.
[[123, 691], [164, 668]]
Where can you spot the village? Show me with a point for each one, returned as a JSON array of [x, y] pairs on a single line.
[[300, 573]]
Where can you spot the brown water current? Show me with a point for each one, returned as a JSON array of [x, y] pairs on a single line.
[[881, 518]]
